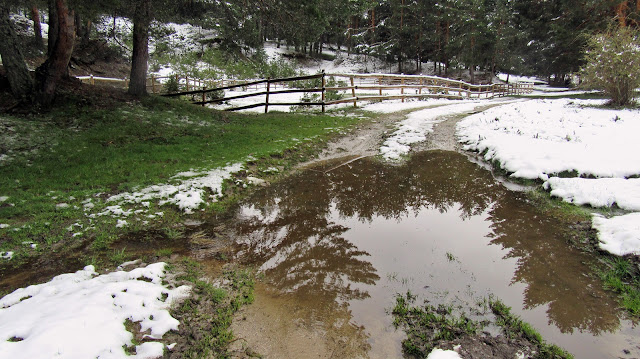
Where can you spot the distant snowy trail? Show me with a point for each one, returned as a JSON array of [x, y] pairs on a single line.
[[415, 128]]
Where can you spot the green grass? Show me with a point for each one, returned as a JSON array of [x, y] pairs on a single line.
[[427, 325], [620, 277], [83, 152], [513, 326], [209, 311]]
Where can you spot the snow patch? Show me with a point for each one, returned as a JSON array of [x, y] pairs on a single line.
[[188, 195], [619, 235], [602, 192], [443, 354], [82, 315], [6, 255]]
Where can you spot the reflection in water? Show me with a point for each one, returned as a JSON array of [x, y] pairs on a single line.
[[302, 234], [553, 272]]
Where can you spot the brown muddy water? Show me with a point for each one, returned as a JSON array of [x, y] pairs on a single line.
[[336, 246]]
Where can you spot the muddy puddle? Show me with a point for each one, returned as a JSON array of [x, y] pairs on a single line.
[[336, 243]]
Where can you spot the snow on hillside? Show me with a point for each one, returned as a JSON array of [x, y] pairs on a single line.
[[343, 62], [516, 78], [83, 314], [540, 139]]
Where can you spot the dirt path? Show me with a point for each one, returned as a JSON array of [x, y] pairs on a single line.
[[366, 139], [443, 136]]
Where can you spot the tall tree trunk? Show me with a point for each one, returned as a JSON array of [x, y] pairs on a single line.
[[78, 22], [20, 79], [140, 57], [49, 74], [621, 12], [53, 27], [37, 28]]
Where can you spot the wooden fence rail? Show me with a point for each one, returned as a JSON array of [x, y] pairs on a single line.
[[361, 87]]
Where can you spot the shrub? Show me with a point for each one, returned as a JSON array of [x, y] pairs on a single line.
[[172, 85], [613, 64]]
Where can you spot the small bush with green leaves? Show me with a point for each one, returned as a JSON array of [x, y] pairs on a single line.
[[613, 64], [172, 85]]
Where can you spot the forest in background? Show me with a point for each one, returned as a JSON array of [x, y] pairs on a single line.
[[546, 38]]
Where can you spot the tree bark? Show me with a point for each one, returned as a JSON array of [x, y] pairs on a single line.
[[20, 79], [53, 27], [140, 57], [37, 28], [49, 74], [621, 12]]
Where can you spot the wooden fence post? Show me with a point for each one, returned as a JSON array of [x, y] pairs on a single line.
[[266, 104], [402, 88], [187, 80], [420, 88], [153, 83], [204, 96], [324, 84], [93, 81], [353, 93], [380, 84]]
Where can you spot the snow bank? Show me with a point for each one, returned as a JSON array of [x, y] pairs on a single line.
[[82, 315], [416, 126], [537, 138], [602, 192], [619, 235]]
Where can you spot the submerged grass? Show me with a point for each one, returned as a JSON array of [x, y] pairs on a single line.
[[428, 327], [513, 326], [56, 163], [206, 316]]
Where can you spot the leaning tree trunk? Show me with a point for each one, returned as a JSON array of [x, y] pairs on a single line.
[[37, 28], [140, 57], [20, 79], [55, 68]]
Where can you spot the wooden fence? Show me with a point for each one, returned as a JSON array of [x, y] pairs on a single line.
[[352, 88]]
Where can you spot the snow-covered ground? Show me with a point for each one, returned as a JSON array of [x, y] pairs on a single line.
[[541, 139], [516, 79], [83, 314]]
